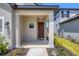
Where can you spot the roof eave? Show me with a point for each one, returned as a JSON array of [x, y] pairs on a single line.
[[70, 19], [31, 7], [36, 8]]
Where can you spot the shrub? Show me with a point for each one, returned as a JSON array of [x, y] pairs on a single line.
[[3, 44], [55, 34], [77, 41], [62, 52], [71, 46]]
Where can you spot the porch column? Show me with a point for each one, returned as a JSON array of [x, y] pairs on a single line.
[[17, 21], [51, 30]]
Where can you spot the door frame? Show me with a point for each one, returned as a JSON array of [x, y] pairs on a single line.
[[37, 32]]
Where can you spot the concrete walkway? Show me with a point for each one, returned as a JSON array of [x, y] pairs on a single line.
[[37, 52]]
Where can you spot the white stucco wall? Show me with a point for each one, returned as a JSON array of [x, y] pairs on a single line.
[[33, 12], [73, 35], [30, 35]]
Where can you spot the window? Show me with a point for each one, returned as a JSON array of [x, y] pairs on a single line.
[[1, 24], [64, 14], [31, 25]]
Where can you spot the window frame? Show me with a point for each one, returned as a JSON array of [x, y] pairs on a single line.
[[68, 12], [31, 28], [62, 14], [65, 15], [1, 17]]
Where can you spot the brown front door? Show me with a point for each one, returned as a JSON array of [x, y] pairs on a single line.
[[40, 29]]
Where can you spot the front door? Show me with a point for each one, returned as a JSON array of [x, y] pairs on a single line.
[[40, 29]]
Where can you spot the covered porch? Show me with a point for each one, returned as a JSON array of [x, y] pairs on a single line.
[[36, 44], [34, 28]]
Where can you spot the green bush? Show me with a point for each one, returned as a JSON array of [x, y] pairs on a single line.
[[62, 52], [56, 42], [55, 34], [71, 46], [3, 44]]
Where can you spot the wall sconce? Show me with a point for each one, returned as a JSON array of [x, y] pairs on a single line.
[[7, 25]]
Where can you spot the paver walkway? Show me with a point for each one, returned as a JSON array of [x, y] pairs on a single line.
[[37, 52]]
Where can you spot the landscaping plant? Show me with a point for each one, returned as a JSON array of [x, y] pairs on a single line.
[[3, 45], [67, 44], [62, 52]]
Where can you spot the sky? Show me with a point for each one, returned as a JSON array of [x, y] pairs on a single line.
[[64, 5]]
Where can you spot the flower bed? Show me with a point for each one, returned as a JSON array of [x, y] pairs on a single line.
[[74, 48]]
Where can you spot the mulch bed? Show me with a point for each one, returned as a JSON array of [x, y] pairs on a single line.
[[49, 51], [18, 52]]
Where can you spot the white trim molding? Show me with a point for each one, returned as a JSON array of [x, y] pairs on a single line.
[[1, 17], [31, 28], [51, 30]]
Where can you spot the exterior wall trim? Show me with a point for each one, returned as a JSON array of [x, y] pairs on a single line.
[[28, 25], [2, 17]]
